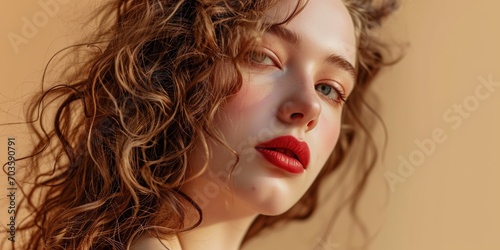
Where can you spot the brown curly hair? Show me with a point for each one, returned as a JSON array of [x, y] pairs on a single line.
[[113, 176]]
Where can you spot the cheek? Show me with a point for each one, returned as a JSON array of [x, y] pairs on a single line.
[[329, 127], [248, 109], [251, 96], [327, 132]]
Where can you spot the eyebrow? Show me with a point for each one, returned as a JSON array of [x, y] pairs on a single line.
[[295, 39]]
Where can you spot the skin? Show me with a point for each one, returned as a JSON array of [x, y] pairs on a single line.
[[289, 88]]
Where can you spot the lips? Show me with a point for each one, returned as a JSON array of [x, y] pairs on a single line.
[[286, 152]]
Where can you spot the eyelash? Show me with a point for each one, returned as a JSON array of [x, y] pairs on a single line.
[[273, 61], [341, 99], [341, 96]]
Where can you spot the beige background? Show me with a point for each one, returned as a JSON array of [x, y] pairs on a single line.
[[451, 198]]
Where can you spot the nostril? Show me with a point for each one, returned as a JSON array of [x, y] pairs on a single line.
[[294, 115]]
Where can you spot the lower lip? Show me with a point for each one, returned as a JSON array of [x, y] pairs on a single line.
[[282, 161]]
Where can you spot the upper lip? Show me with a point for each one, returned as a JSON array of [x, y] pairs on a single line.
[[300, 149]]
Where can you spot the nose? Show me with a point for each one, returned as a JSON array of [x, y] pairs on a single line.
[[300, 108]]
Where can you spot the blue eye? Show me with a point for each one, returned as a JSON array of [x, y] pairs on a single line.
[[331, 92]]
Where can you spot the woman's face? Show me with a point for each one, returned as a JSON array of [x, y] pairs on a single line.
[[285, 121]]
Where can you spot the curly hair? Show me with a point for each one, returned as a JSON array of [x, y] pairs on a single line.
[[113, 176]]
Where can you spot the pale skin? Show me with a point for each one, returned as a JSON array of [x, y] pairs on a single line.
[[293, 86]]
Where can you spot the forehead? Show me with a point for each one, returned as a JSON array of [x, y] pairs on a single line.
[[322, 23]]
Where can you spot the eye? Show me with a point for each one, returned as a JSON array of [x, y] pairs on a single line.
[[261, 58], [334, 93]]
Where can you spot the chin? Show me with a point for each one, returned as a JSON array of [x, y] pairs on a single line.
[[269, 196], [274, 210]]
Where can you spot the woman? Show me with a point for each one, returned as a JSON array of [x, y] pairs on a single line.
[[199, 123]]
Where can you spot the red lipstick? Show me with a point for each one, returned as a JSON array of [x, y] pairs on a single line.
[[286, 152]]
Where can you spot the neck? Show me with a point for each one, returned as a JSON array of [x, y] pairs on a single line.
[[224, 225], [222, 235]]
